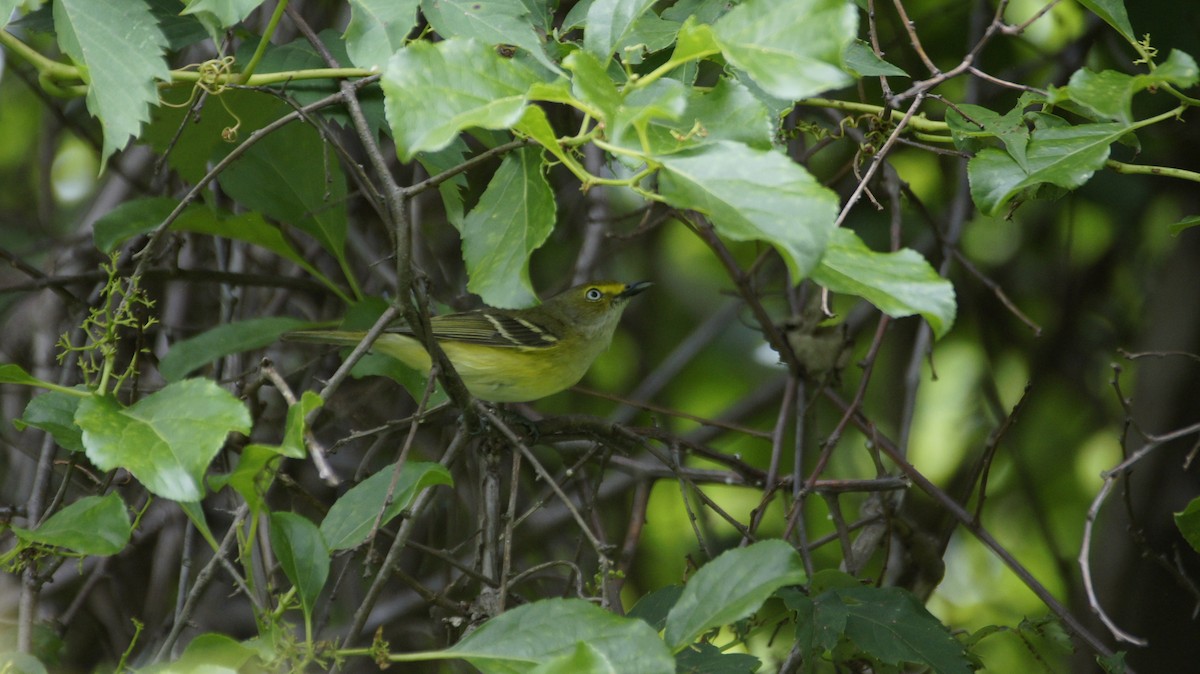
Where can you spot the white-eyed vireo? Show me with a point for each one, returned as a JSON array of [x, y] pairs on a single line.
[[511, 355]]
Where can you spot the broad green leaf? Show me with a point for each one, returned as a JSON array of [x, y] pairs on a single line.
[[1109, 94], [1113, 13], [654, 607], [167, 439], [129, 219], [591, 83], [888, 624], [649, 34], [302, 555], [252, 477], [1066, 157], [13, 662], [583, 660], [664, 99], [861, 59], [695, 41], [354, 514], [707, 658], [495, 22], [377, 29], [1188, 522], [121, 47], [703, 11], [451, 190], [54, 412], [727, 111], [227, 12], [973, 121], [514, 217], [731, 587], [900, 283], [435, 91], [93, 525], [208, 653], [186, 355], [1185, 223], [548, 629], [281, 177], [14, 374], [792, 48], [607, 24], [535, 125], [754, 195]]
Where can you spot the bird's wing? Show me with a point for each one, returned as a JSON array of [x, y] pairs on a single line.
[[491, 328]]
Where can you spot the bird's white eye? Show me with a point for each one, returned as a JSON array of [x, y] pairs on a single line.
[[593, 294]]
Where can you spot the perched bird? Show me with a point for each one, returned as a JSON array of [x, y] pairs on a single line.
[[511, 355]]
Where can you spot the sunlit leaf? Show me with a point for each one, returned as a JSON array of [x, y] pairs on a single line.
[[93, 525], [377, 29]]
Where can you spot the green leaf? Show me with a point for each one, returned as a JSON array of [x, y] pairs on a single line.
[[166, 439], [1188, 522], [253, 475], [754, 195], [14, 374], [1185, 223], [608, 22], [654, 607], [353, 516], [583, 660], [973, 121], [900, 283], [548, 629], [649, 34], [54, 412], [731, 587], [664, 99], [451, 190], [186, 355], [227, 12], [1113, 13], [1065, 157], [514, 217], [435, 91], [861, 59], [792, 48], [12, 662], [121, 47], [129, 219], [1109, 94], [591, 83], [377, 29], [281, 176], [1179, 69], [705, 658], [727, 111], [888, 624], [93, 525], [293, 439], [495, 22], [302, 555], [208, 653], [695, 40], [195, 513]]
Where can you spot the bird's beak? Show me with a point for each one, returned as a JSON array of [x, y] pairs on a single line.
[[633, 289]]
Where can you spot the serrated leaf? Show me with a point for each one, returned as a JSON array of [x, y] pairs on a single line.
[[93, 525], [731, 587], [167, 439], [888, 624], [664, 99], [1188, 522], [189, 354], [280, 177], [861, 59], [548, 629], [495, 22], [1109, 94], [608, 23], [900, 283], [1113, 13], [514, 217], [648, 35], [122, 49], [1065, 157], [727, 111], [792, 48], [302, 555], [378, 29], [754, 195], [435, 91], [54, 412], [353, 515]]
